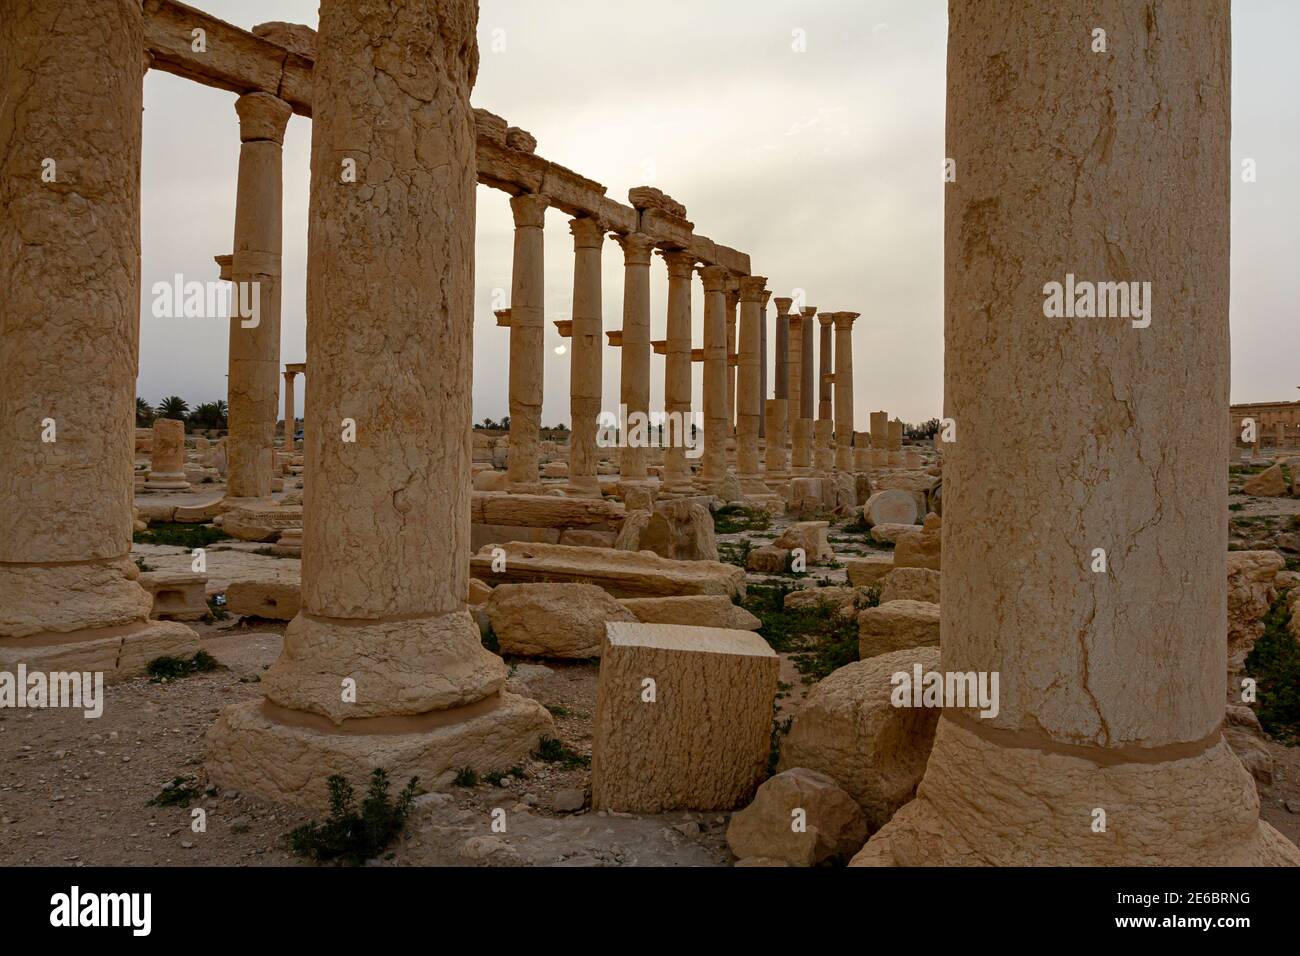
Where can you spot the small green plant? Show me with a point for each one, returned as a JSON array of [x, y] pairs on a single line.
[[351, 836], [551, 750], [216, 611], [140, 563], [466, 777], [494, 777], [489, 640], [188, 536], [818, 639], [557, 710], [164, 669], [179, 792], [780, 727], [1274, 662], [733, 519], [736, 553]]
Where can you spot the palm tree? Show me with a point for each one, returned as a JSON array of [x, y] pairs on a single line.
[[173, 406], [209, 415], [143, 413]]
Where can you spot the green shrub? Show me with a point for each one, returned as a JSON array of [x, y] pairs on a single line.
[[551, 750], [351, 836], [164, 669], [1274, 662], [189, 536]]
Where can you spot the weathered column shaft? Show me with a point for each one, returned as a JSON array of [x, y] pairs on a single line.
[[733, 330], [716, 426], [289, 413], [808, 388], [762, 362], [677, 367], [794, 390], [72, 76], [749, 407], [1111, 681], [585, 366], [825, 368], [634, 384], [527, 340], [254, 360], [844, 389]]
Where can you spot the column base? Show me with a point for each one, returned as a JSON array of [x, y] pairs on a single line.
[[119, 653], [287, 756], [167, 481], [984, 804]]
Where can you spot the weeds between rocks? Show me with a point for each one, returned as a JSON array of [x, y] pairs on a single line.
[[1274, 662], [736, 553], [189, 536], [164, 669], [551, 750], [819, 640], [466, 777], [733, 519], [180, 792], [351, 836]]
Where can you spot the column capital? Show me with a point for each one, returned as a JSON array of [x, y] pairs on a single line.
[[680, 262], [588, 233], [636, 248], [529, 210], [767, 294], [809, 312], [262, 117], [844, 320], [782, 305], [752, 288], [825, 318], [714, 278]]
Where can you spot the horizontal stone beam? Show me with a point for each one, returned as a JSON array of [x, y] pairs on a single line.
[[236, 60]]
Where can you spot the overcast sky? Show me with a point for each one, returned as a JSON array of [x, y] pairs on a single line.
[[824, 165]]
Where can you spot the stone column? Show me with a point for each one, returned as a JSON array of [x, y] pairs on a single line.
[[733, 352], [254, 359], [634, 383], [781, 366], [749, 403], [383, 666], [69, 335], [585, 366], [677, 371], [823, 445], [714, 465], [844, 389], [794, 365], [879, 439], [762, 360], [808, 379], [826, 365], [861, 452], [527, 343], [289, 414], [1111, 684], [895, 443], [167, 456]]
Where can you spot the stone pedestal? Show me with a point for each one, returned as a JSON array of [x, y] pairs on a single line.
[[861, 452], [1112, 685], [801, 453], [167, 457], [69, 338], [254, 359], [383, 666], [714, 465], [527, 342], [823, 446], [585, 366]]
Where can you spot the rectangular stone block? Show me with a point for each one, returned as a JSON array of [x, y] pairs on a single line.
[[278, 599], [177, 595], [683, 717], [896, 626], [869, 569]]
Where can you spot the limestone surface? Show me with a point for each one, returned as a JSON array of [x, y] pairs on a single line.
[[811, 537], [896, 626], [868, 569], [700, 610], [553, 620], [683, 718], [801, 817], [891, 506], [910, 584]]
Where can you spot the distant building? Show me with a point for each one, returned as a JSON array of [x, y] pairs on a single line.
[[1276, 423]]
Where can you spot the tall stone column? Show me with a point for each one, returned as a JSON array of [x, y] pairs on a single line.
[[716, 427], [733, 351], [749, 402], [290, 416], [383, 666], [794, 366], [762, 360], [808, 387], [777, 462], [896, 442], [844, 389], [69, 335], [527, 343], [254, 361], [634, 383], [1111, 684], [825, 363], [677, 375], [585, 366]]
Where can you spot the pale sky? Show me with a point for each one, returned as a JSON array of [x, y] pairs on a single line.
[[824, 165]]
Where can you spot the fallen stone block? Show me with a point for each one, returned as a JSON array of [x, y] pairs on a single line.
[[545, 511], [910, 584], [920, 549], [552, 620], [683, 718], [848, 729], [799, 816], [891, 506], [699, 610], [278, 599], [1269, 483], [811, 536], [1252, 588], [177, 595], [586, 538], [152, 511], [484, 535], [260, 522], [897, 625], [845, 600], [868, 569], [621, 573], [680, 529], [769, 559], [478, 592], [886, 533]]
